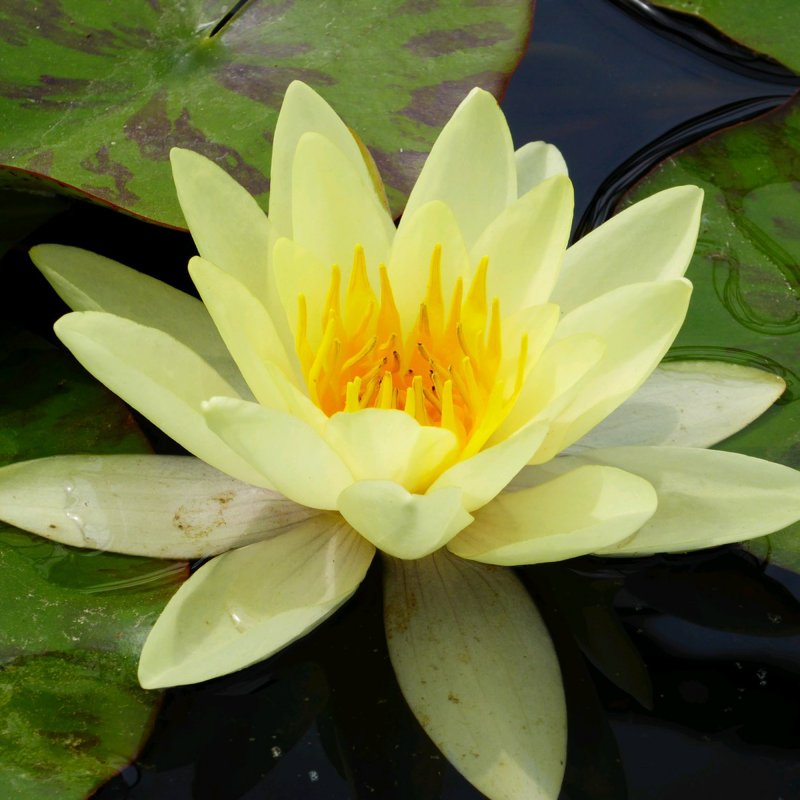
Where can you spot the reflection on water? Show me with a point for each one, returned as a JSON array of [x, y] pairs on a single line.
[[91, 571]]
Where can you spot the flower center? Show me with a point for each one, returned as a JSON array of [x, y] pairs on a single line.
[[447, 371]]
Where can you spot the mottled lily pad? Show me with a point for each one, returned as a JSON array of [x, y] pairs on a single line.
[[93, 94], [746, 273], [73, 621], [771, 27]]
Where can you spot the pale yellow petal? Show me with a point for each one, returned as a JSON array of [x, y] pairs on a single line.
[[409, 264], [88, 282], [652, 240], [471, 166], [526, 243], [389, 445], [160, 377], [477, 667], [145, 505], [485, 474], [553, 381], [688, 404], [248, 331], [705, 497], [536, 162], [298, 272], [333, 209], [291, 454], [303, 111], [245, 605], [402, 524], [228, 226], [638, 323], [573, 514]]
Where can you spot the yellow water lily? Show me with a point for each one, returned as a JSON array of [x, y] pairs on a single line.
[[347, 385]]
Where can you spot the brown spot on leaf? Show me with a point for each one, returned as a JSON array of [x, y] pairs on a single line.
[[155, 133], [42, 161], [434, 105], [415, 7], [469, 37], [267, 84], [400, 168], [46, 19], [50, 93], [453, 698], [102, 164]]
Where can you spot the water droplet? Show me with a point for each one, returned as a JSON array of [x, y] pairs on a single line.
[[276, 751], [313, 775], [97, 536], [775, 619], [240, 618]]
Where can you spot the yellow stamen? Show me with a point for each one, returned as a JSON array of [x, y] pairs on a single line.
[[445, 370], [434, 302], [385, 393]]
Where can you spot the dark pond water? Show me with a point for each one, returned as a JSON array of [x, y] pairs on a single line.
[[681, 672]]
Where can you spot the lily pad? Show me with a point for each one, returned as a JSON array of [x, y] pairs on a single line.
[[771, 27], [94, 96], [73, 621], [746, 272]]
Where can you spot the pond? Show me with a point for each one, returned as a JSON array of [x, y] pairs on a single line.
[[682, 672]]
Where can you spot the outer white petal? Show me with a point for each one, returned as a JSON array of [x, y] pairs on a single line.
[[287, 451], [88, 282], [157, 506], [705, 497], [334, 209], [525, 245], [536, 162], [652, 240], [471, 166], [228, 226], [160, 377], [385, 444], [476, 665], [304, 111], [688, 404], [402, 524], [246, 604], [570, 515]]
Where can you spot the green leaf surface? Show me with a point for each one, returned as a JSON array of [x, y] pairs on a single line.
[[72, 621], [770, 27], [746, 273], [94, 94]]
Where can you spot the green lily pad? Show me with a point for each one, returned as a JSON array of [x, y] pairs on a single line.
[[73, 621], [746, 272], [770, 27], [94, 94]]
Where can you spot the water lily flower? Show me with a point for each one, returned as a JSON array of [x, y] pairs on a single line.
[[444, 391]]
